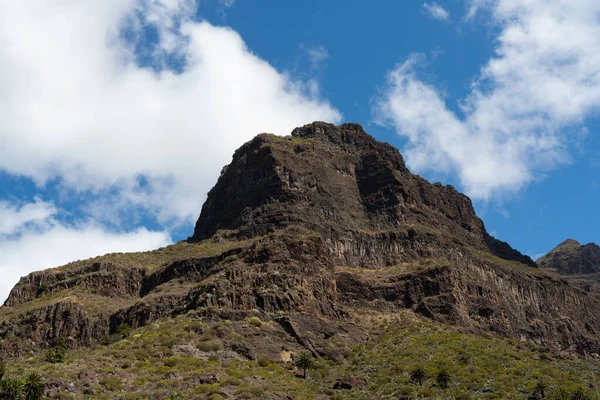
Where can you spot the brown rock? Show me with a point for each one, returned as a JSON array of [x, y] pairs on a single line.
[[350, 382], [204, 379]]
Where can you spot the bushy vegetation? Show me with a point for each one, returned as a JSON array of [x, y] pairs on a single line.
[[58, 353], [404, 357], [31, 387], [255, 321]]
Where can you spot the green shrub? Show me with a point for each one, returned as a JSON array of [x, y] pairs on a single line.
[[12, 389], [56, 355], [170, 362], [124, 329], [64, 396], [463, 396], [207, 389], [209, 346], [236, 337], [263, 362], [141, 355], [255, 321], [111, 383], [107, 340], [249, 392], [561, 394], [230, 380], [464, 358]]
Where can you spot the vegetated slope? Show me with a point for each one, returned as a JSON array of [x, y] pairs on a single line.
[[309, 232], [579, 264], [188, 357]]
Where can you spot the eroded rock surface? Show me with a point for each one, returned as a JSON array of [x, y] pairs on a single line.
[[309, 231]]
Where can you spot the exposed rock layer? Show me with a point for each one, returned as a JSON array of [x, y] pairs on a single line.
[[318, 226]]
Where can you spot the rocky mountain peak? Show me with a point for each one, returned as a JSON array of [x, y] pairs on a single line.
[[572, 258], [569, 243], [340, 182], [348, 134]]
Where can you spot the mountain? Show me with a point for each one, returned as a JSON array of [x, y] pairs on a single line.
[[576, 263], [309, 238], [571, 258]]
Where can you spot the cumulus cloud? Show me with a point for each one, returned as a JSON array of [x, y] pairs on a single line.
[[32, 239], [76, 105], [130, 108], [16, 217], [436, 11], [525, 108]]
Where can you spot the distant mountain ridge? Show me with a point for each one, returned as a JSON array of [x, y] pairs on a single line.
[[572, 258]]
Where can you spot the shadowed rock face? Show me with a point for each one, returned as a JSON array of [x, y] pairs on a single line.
[[571, 258], [348, 187], [316, 227]]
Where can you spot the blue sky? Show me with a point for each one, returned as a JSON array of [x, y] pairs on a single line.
[[117, 116]]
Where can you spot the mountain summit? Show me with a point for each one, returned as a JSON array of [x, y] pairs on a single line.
[[354, 191], [310, 233], [572, 258]]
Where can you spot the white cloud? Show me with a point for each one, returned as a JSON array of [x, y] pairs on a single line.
[[166, 16], [436, 11], [79, 108], [525, 108], [75, 105], [227, 3], [32, 239], [317, 55], [14, 217]]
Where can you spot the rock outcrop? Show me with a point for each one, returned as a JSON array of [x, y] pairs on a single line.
[[576, 263], [311, 230], [572, 258]]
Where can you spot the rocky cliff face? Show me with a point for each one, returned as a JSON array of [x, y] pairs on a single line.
[[352, 190], [318, 227]]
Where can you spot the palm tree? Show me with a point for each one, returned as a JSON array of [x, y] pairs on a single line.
[[539, 391], [34, 387], [443, 379], [11, 389], [304, 361], [417, 376], [561, 394], [2, 369], [580, 394]]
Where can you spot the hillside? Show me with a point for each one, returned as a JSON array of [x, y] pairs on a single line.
[[328, 241], [192, 358]]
